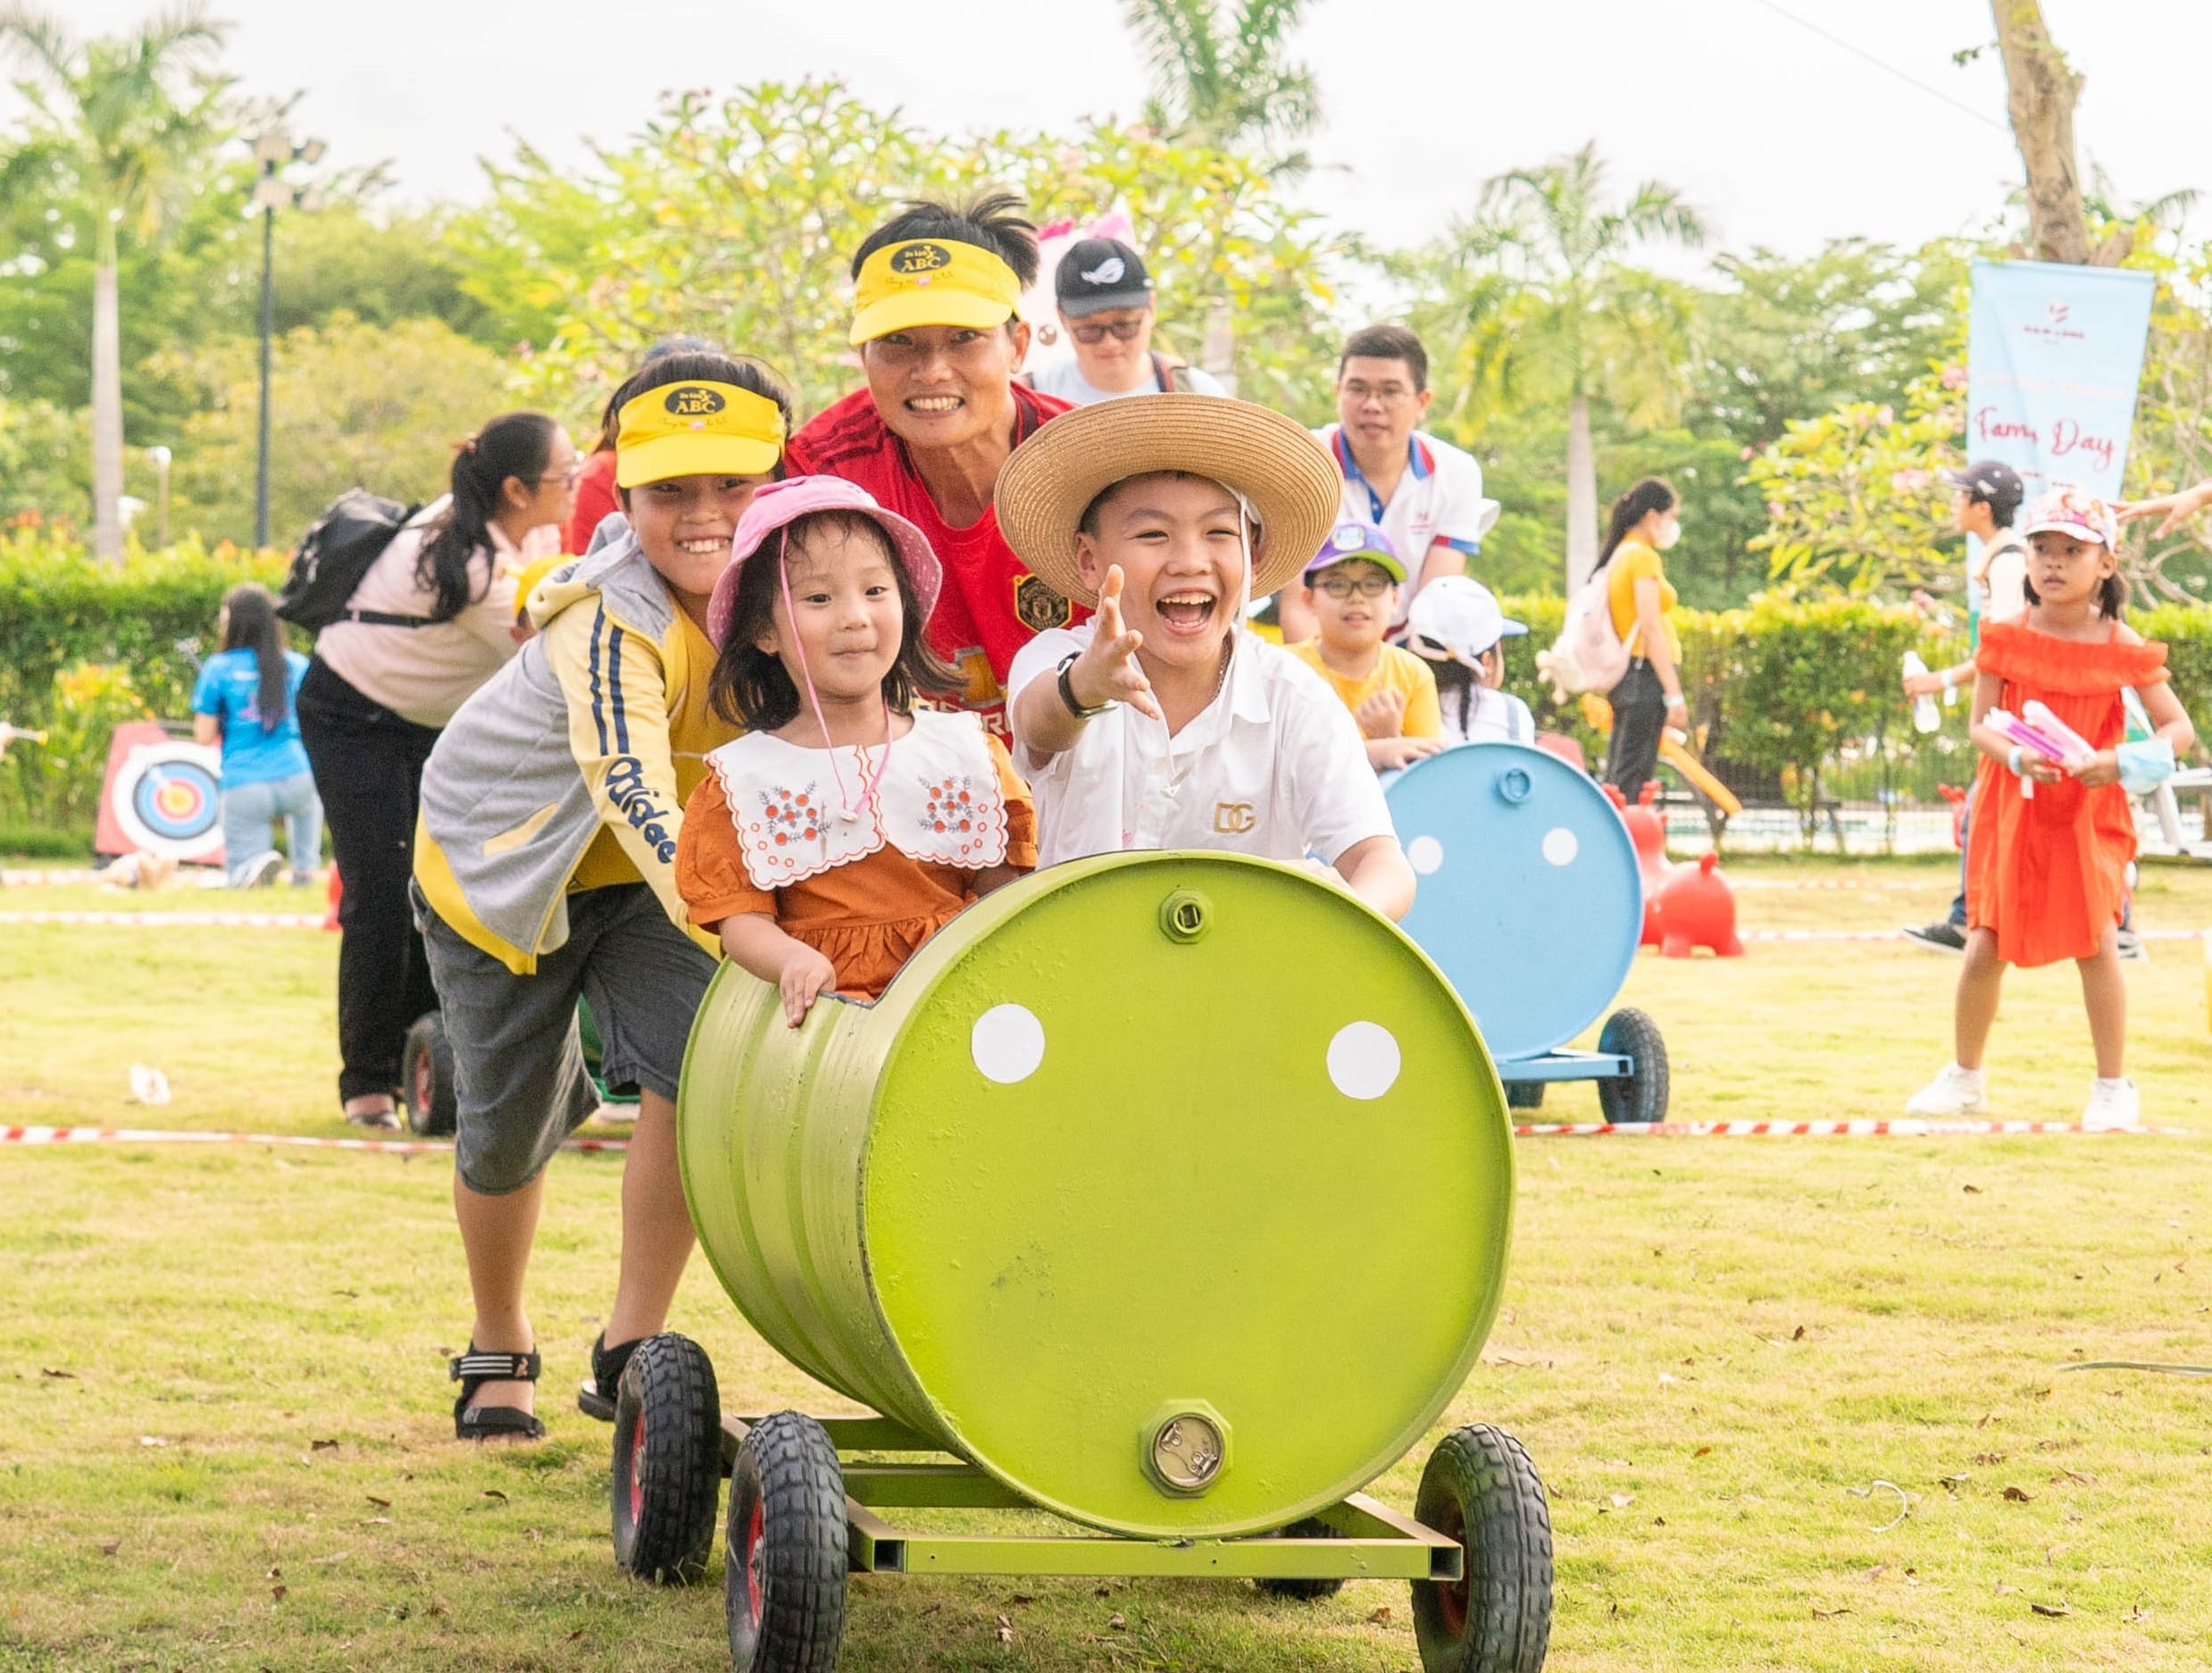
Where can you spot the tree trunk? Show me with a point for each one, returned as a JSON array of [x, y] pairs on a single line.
[[2042, 90], [107, 413], [1582, 496]]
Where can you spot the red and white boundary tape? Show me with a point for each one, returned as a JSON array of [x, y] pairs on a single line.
[[1904, 1129], [1908, 1129], [176, 920]]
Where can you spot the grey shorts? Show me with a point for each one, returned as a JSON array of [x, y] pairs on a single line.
[[519, 1074]]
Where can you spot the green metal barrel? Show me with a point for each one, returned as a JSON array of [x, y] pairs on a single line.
[[1171, 1190]]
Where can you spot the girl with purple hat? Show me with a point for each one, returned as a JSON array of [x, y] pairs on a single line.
[[847, 826]]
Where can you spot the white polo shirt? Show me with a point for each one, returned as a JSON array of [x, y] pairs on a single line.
[[1273, 767], [1437, 502]]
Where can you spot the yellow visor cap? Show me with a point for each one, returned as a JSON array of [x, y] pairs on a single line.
[[697, 429], [931, 281]]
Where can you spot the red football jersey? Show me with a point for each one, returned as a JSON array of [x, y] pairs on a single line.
[[991, 605]]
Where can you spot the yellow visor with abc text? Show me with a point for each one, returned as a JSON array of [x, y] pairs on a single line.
[[931, 281], [697, 429]]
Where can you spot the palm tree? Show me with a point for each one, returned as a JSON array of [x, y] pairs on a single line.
[[1545, 308], [1221, 79], [112, 119]]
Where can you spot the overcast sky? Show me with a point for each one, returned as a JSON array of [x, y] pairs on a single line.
[[1783, 138]]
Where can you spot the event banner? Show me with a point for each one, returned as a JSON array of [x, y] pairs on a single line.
[[2053, 357]]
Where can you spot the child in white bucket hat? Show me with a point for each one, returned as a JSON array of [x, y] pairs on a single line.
[[1456, 626]]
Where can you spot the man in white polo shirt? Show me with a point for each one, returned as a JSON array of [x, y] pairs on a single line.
[[1425, 494]]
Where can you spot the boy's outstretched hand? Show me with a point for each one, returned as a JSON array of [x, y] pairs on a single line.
[[1107, 671]]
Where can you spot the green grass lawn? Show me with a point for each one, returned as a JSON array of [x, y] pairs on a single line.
[[1712, 1349]]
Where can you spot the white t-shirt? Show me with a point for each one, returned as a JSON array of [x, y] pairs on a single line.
[[2004, 595], [1064, 379], [1273, 767], [425, 673], [1438, 501], [1492, 718]]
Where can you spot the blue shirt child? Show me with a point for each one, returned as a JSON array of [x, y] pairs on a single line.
[[230, 689]]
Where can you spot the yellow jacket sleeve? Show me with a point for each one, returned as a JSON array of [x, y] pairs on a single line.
[[611, 676]]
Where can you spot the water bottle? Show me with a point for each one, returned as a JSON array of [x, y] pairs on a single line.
[[1927, 718]]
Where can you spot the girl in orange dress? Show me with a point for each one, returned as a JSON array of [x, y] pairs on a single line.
[[2047, 864], [847, 826]]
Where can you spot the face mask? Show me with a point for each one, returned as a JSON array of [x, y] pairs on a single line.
[[1669, 535]]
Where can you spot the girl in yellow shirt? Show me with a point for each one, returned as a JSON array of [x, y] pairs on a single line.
[[1646, 522]]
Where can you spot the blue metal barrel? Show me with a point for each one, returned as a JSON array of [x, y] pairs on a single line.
[[1529, 902]]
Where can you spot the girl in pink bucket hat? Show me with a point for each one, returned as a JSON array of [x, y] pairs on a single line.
[[848, 824]]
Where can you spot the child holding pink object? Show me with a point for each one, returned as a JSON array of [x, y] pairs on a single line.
[[2046, 873]]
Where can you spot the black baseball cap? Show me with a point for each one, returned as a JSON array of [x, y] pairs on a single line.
[[1997, 485], [1101, 273]]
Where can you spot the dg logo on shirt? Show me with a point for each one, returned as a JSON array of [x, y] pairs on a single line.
[[1233, 818]]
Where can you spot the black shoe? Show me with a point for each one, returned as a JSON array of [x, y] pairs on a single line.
[[596, 1397], [1945, 937]]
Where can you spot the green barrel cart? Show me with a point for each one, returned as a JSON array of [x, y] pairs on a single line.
[[1169, 1193]]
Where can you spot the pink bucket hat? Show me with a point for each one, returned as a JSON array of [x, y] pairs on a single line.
[[777, 504], [2077, 512]]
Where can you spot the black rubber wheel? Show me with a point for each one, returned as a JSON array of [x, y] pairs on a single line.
[[667, 1474], [1641, 1098], [1524, 1094], [426, 1077], [783, 1580], [1304, 1590], [1479, 1488]]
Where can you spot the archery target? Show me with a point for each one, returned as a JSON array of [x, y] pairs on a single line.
[[164, 800]]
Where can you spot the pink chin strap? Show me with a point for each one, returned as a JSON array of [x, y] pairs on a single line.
[[849, 810]]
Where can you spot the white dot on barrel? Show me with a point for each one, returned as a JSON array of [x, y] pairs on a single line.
[[1363, 1060], [1561, 845], [1008, 1043], [1425, 854]]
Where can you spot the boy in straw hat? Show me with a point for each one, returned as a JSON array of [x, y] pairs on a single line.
[[1162, 724]]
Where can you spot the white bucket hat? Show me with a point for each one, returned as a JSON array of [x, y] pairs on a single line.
[[1458, 616]]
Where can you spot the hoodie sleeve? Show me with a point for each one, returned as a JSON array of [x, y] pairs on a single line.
[[611, 676]]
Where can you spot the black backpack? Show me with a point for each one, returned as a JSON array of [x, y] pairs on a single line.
[[335, 554]]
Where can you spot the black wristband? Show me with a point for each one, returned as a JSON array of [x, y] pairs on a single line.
[[1067, 691]]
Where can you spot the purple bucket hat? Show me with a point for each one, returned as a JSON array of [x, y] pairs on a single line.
[[776, 504]]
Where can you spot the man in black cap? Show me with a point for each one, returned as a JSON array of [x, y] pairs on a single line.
[[1106, 309]]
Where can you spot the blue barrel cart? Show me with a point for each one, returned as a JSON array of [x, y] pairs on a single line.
[[1531, 904]]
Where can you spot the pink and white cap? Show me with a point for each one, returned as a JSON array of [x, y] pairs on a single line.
[[2066, 509], [777, 504]]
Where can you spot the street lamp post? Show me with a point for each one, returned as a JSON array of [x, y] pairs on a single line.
[[274, 150]]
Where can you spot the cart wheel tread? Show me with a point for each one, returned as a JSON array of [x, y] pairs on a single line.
[[667, 1474], [1480, 1486], [426, 1077], [785, 1564], [1302, 1591], [1524, 1094], [1641, 1098]]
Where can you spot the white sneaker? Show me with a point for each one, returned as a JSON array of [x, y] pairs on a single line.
[[2113, 1104], [262, 870], [1955, 1091]]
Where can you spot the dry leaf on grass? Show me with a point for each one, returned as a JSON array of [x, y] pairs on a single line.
[[1989, 1459], [494, 1493], [382, 1504], [66, 1377], [2052, 1609], [1798, 1335], [109, 1547], [1117, 1622], [2019, 1495], [1830, 1614], [320, 1446], [1972, 1190], [1379, 1617], [276, 1594], [1952, 1483], [1005, 1630], [1701, 1452], [1621, 1500]]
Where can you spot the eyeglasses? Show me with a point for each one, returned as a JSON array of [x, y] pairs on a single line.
[[567, 479], [1090, 335], [1390, 394], [1345, 586]]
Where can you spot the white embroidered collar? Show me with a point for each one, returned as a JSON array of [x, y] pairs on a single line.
[[938, 800]]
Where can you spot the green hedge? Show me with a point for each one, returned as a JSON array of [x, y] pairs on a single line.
[[88, 646], [1797, 699]]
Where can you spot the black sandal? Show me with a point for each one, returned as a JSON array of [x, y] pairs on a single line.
[[595, 1398], [475, 1368]]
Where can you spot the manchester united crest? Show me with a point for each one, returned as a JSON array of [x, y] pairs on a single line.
[[1038, 607]]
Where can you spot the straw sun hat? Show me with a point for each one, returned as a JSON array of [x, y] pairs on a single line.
[[1292, 484]]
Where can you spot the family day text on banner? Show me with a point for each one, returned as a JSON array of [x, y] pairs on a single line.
[[2053, 357]]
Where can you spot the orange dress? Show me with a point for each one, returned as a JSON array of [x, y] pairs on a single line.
[[791, 856], [2049, 872]]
